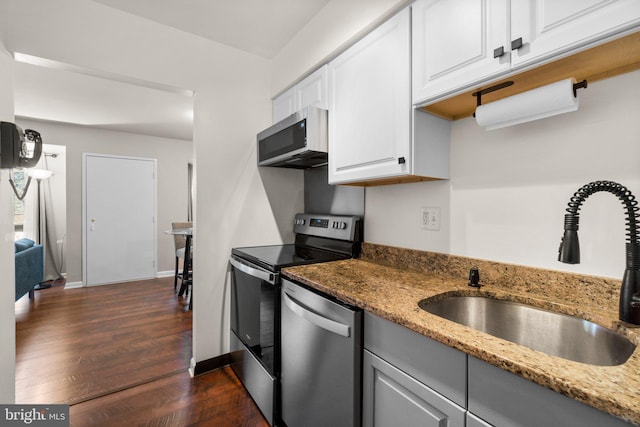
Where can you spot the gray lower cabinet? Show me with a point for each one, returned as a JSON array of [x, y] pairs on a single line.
[[440, 367], [412, 380], [409, 379], [393, 398], [505, 399]]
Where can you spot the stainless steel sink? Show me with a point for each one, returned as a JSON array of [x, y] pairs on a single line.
[[552, 333]]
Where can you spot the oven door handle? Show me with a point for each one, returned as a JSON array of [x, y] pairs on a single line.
[[260, 274], [318, 320]]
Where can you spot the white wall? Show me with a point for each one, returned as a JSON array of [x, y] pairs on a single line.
[[232, 104], [509, 187], [172, 155], [7, 260], [393, 215]]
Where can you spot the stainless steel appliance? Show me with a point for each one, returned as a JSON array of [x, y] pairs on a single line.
[[321, 359], [255, 298], [298, 141]]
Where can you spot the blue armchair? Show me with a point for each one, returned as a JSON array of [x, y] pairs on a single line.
[[29, 266]]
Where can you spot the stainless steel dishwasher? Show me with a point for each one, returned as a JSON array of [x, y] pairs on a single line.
[[321, 367]]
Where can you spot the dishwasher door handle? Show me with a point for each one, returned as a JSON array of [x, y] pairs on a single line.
[[318, 320], [260, 274]]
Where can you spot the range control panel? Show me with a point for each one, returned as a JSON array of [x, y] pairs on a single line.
[[332, 226]]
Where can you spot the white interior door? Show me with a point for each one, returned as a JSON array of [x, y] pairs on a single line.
[[119, 203]]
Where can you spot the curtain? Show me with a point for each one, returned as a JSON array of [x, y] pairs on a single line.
[[53, 258], [30, 229], [44, 230]]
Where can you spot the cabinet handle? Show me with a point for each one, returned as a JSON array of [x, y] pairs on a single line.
[[401, 161], [498, 52], [516, 44]]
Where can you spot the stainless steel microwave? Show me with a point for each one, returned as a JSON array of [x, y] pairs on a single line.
[[298, 141]]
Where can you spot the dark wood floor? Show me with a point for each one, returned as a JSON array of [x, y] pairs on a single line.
[[119, 354]]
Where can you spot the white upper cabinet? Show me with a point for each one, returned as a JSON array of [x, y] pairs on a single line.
[[370, 105], [552, 27], [460, 43], [375, 135], [454, 43], [284, 105], [312, 91]]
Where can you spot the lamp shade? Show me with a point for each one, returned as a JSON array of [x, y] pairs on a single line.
[[39, 173], [546, 101]]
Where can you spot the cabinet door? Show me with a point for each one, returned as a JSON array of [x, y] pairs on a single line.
[[370, 106], [284, 105], [454, 43], [393, 398], [313, 90], [552, 27]]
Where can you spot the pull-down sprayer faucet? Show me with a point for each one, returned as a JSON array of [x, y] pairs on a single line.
[[569, 251]]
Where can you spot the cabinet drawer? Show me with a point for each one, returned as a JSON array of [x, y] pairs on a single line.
[[391, 397], [442, 368], [502, 399]]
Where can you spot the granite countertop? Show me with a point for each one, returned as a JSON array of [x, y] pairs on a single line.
[[389, 282]]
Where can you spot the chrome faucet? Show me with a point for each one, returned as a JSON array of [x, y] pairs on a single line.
[[569, 251]]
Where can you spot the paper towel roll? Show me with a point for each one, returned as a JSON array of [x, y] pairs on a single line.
[[545, 101]]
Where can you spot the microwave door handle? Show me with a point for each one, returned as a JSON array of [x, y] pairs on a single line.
[[260, 274], [318, 320]]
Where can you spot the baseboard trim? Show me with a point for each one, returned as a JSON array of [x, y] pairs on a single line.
[[211, 364], [73, 285], [168, 273]]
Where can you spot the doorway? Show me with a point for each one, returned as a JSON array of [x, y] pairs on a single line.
[[119, 211], [152, 120]]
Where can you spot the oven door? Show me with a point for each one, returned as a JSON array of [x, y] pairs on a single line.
[[255, 333], [254, 310]]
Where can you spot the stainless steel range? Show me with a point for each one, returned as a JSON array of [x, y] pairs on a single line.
[[255, 299]]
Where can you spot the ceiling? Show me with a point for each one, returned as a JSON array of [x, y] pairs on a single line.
[[51, 91], [61, 95], [261, 27]]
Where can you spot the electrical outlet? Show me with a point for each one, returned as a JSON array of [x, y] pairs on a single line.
[[430, 218]]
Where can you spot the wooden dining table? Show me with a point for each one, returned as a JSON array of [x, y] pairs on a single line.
[[186, 279]]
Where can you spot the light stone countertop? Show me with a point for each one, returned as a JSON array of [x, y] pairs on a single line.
[[389, 282]]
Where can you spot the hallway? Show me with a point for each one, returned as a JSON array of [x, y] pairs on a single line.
[[119, 355]]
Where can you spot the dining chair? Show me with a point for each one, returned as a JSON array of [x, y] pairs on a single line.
[[179, 242]]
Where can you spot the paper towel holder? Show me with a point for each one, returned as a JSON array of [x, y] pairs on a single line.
[[579, 85], [479, 93], [535, 114]]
